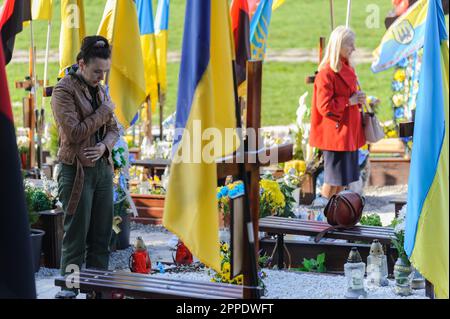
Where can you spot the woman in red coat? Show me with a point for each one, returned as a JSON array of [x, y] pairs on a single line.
[[336, 124]]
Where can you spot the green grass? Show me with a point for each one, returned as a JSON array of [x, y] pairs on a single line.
[[283, 84], [296, 24]]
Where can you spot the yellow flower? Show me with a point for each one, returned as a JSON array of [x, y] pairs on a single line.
[[225, 247], [156, 179], [226, 267], [392, 134], [400, 75], [239, 279], [226, 277]]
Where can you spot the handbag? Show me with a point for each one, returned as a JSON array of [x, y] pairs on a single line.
[[343, 210], [372, 128]]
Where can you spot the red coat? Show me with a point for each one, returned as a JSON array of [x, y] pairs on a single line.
[[336, 125]]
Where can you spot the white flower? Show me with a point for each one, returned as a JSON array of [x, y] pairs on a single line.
[[302, 109], [402, 214]]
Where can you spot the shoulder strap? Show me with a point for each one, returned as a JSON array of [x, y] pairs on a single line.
[[323, 232]]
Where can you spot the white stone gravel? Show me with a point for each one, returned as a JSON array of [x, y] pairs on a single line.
[[296, 285]]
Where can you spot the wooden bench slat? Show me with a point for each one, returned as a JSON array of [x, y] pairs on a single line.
[[354, 231], [281, 225], [147, 289], [319, 226], [142, 292], [144, 279], [314, 222]]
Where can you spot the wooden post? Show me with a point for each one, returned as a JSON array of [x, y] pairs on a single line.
[[254, 87], [429, 289], [162, 100], [148, 131], [332, 15]]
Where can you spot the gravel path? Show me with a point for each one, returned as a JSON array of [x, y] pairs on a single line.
[[295, 55], [295, 285]]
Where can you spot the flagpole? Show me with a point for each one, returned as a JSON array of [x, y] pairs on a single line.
[[332, 14], [47, 50], [349, 11], [33, 112]]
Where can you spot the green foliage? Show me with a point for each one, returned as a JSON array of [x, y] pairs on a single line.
[[288, 210], [313, 265], [371, 220], [36, 200], [298, 150]]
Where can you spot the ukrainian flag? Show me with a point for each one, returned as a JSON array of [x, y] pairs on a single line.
[[41, 9], [126, 77], [161, 33], [427, 217], [147, 31], [205, 101], [259, 29], [404, 37]]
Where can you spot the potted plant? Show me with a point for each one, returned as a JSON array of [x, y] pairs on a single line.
[[36, 200]]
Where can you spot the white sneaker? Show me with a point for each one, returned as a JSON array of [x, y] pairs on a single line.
[[173, 242]]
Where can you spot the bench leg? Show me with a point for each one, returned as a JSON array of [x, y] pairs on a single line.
[[429, 289], [280, 246]]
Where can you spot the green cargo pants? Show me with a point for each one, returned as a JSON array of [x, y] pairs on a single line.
[[87, 233]]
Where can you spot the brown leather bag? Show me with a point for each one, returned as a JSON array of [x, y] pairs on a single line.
[[343, 210]]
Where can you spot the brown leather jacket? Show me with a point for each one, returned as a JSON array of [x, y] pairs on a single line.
[[77, 123]]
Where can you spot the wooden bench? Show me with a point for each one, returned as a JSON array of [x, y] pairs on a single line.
[[282, 226], [107, 284], [398, 204]]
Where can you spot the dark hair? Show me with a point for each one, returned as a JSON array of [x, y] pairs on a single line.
[[94, 46]]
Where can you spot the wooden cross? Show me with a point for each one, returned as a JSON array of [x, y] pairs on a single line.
[[285, 152], [30, 116]]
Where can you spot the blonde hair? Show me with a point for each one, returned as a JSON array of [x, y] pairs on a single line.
[[338, 37]]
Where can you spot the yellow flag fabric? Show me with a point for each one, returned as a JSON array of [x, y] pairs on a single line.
[[276, 4], [73, 30], [151, 74], [126, 77], [41, 9], [205, 101], [161, 56], [161, 35]]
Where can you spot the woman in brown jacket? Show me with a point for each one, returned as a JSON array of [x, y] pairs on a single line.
[[88, 131]]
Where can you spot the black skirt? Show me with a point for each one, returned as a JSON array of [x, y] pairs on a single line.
[[340, 168]]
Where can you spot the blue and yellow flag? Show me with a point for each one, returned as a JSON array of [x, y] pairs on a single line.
[[277, 4], [205, 114], [427, 216], [147, 31], [161, 33], [126, 77], [259, 29], [404, 37]]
